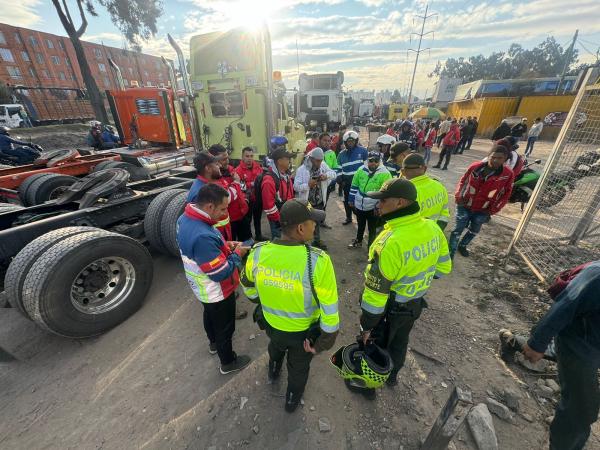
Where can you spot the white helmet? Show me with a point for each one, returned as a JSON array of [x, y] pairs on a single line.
[[351, 134], [386, 139]]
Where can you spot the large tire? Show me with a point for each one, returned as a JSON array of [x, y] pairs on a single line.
[[168, 229], [136, 173], [24, 187], [102, 165], [47, 188], [154, 215], [552, 196], [19, 267], [87, 284]]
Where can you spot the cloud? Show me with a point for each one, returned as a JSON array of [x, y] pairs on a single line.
[[103, 37], [22, 13]]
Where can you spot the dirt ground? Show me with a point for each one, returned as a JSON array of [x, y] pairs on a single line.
[[150, 383], [55, 137]]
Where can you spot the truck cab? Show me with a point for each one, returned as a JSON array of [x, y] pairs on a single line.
[[239, 101], [321, 100], [10, 115]]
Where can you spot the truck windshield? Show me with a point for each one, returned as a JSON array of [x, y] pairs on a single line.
[[320, 101]]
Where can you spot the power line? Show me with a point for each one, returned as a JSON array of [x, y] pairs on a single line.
[[418, 51]]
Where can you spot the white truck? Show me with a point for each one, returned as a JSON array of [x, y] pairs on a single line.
[[320, 100], [9, 115]]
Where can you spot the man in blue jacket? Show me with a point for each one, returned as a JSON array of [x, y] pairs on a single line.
[[26, 153], [350, 160], [574, 323], [211, 267]]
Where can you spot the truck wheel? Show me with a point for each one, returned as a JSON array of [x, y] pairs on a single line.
[[135, 173], [47, 188], [24, 187], [87, 284], [168, 229], [19, 267], [154, 215], [102, 165]]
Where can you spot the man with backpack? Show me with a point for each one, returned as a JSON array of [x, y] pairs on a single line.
[[274, 187], [574, 323]]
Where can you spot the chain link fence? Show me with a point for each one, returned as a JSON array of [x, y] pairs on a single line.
[[560, 227]]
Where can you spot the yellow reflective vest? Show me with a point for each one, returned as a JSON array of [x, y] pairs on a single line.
[[403, 260], [276, 273], [432, 197]]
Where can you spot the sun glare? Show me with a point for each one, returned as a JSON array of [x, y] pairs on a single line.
[[249, 13]]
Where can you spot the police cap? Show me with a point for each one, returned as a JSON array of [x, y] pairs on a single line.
[[294, 212]]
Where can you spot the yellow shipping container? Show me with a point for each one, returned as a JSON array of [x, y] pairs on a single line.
[[489, 111], [540, 106]]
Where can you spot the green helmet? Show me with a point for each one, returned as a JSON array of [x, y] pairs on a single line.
[[363, 366]]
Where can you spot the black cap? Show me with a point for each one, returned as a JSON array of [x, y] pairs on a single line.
[[281, 153], [203, 159], [217, 150], [399, 148], [413, 161], [294, 212], [396, 188]]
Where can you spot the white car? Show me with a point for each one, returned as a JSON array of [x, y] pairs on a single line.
[[9, 115]]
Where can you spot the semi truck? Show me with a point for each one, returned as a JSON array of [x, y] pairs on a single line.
[[321, 100]]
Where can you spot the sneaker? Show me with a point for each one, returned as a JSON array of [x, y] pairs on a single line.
[[327, 227], [355, 244], [212, 348], [238, 363], [463, 251], [347, 221], [292, 401], [437, 166], [319, 244], [274, 370]]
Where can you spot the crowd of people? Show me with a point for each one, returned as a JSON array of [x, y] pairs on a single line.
[[293, 284]]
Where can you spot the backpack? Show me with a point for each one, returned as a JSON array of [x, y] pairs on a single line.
[[563, 279], [258, 188]]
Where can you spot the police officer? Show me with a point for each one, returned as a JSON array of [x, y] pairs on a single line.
[[432, 195], [296, 289], [403, 260]]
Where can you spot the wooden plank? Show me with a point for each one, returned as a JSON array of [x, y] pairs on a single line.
[[449, 421]]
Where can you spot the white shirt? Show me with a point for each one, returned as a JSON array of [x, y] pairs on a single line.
[[535, 129]]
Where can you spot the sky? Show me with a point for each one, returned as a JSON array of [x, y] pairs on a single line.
[[369, 40]]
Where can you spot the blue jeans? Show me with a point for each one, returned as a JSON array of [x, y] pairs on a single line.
[[466, 218], [275, 229], [427, 154], [579, 400], [529, 148]]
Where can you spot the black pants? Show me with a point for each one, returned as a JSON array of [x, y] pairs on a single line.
[[392, 334], [330, 189], [579, 400], [439, 139], [347, 180], [366, 218], [240, 229], [298, 361], [256, 218], [446, 152], [219, 324], [468, 143]]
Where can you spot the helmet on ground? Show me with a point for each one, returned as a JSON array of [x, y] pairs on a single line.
[[5, 130], [363, 366], [278, 140], [350, 135], [386, 139]]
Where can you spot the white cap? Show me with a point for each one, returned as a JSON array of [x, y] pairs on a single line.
[[317, 153]]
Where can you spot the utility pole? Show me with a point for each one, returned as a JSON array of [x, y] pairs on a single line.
[[418, 51], [298, 72], [568, 58]]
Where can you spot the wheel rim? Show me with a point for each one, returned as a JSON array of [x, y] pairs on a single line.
[[102, 285], [57, 192]]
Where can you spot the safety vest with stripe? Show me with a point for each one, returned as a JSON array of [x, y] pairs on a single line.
[[276, 273], [432, 197], [403, 260]]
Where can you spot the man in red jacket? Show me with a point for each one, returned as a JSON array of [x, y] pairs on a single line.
[[314, 143], [238, 206], [449, 143], [248, 171], [277, 187], [482, 191]]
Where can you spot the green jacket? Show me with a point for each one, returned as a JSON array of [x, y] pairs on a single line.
[[432, 197], [366, 181], [276, 274], [331, 160], [403, 260]]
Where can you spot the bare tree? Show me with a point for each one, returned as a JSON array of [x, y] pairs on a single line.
[[135, 18]]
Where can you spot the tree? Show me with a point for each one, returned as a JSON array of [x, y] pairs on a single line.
[[136, 19], [396, 97], [545, 60]]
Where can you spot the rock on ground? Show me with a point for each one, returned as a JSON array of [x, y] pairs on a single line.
[[498, 409], [482, 427]]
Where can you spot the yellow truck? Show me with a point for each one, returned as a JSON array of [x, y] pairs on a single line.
[[397, 111], [238, 99]]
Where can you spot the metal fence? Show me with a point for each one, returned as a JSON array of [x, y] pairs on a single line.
[[561, 226]]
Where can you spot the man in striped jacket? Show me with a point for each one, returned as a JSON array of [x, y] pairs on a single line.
[[350, 160]]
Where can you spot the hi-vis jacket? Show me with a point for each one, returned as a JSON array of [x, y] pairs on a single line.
[[403, 260], [432, 197], [276, 274], [365, 181]]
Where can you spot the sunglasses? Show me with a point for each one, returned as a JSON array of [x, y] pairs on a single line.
[[373, 160]]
